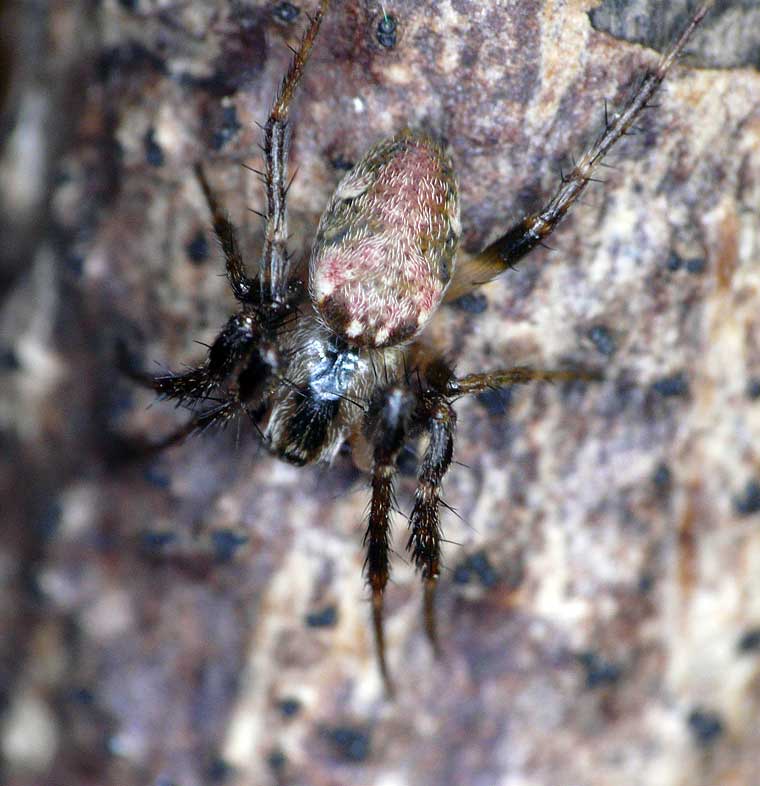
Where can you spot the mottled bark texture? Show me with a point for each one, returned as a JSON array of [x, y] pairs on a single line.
[[201, 618]]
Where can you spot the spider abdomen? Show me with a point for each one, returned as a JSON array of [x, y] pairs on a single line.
[[384, 251]]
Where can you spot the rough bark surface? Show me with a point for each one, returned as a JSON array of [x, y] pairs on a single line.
[[201, 618]]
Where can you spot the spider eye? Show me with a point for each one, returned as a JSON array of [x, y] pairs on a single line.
[[385, 248]]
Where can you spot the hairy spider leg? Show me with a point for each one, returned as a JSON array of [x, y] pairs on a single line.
[[519, 375], [425, 538], [245, 289], [387, 425], [273, 268], [523, 237], [232, 346]]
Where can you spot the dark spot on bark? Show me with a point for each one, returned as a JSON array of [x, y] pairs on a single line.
[[286, 12], [226, 542], [696, 265], [341, 163], [130, 5], [663, 479], [705, 726], [386, 31], [674, 263], [127, 58], [476, 566], [157, 476], [748, 502], [154, 542], [753, 389], [197, 248], [154, 155], [289, 707], [277, 760], [227, 129], [749, 641], [349, 742], [9, 359], [599, 671], [324, 618], [471, 303], [672, 386], [496, 401], [602, 339], [219, 770]]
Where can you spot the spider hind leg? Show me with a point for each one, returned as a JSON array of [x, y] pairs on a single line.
[[387, 425]]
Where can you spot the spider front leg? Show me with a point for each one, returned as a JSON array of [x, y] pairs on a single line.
[[386, 426], [425, 538], [523, 237], [234, 344], [246, 290], [273, 268], [519, 375]]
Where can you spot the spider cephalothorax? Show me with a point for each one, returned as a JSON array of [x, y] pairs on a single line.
[[336, 359]]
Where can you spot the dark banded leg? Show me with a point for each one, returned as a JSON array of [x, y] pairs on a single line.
[[387, 426], [235, 342], [425, 539], [273, 270], [219, 415], [519, 375], [245, 289], [510, 248]]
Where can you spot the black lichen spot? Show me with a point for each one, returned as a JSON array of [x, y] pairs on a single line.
[[219, 770], [154, 155], [48, 521], [696, 265], [471, 303], [350, 743], [130, 5], [386, 31], [748, 502], [289, 707], [599, 672], [341, 163], [286, 12], [662, 479], [197, 248], [324, 618], [496, 401], [705, 726], [228, 127], [157, 476], [602, 339], [9, 359], [154, 542], [476, 566], [749, 641], [672, 386], [277, 760], [408, 462], [674, 263], [226, 542], [753, 389]]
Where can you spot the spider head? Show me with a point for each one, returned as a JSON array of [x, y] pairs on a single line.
[[384, 252]]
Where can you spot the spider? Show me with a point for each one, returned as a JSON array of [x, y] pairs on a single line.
[[334, 355]]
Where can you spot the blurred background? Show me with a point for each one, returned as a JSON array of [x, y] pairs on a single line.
[[200, 617]]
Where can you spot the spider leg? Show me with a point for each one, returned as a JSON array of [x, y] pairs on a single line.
[[425, 538], [523, 237], [273, 270], [387, 423], [519, 375], [219, 415], [245, 289], [233, 344]]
